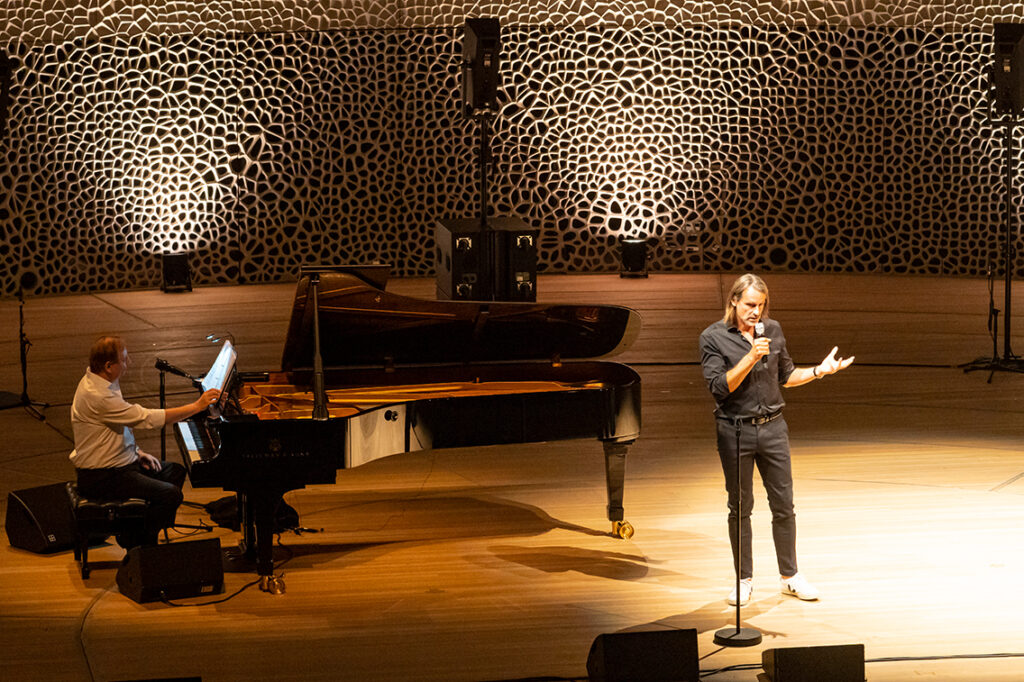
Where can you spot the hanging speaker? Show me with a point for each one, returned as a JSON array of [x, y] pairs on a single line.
[[40, 519], [651, 656], [1008, 67], [840, 663], [173, 571], [481, 43]]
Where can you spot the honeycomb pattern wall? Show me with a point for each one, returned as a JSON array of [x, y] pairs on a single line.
[[787, 136]]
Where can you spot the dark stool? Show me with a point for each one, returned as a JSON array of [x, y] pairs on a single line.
[[96, 520]]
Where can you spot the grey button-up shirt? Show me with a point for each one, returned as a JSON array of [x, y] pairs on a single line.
[[721, 347]]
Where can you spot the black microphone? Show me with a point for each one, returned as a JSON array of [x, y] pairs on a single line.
[[165, 366], [759, 331]]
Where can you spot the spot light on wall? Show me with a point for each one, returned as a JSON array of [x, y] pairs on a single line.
[[177, 275], [633, 256]]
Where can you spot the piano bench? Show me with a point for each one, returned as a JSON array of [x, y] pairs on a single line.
[[96, 520]]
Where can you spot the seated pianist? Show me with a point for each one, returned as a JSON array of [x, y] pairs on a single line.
[[108, 462]]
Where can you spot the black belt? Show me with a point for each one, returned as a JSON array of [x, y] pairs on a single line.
[[758, 421]]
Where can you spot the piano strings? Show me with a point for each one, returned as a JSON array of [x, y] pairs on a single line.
[[286, 401]]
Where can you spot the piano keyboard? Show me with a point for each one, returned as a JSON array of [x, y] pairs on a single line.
[[189, 435]]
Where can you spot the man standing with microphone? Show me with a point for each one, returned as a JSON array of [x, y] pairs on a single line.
[[745, 362]]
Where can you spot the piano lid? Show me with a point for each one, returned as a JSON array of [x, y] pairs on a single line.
[[363, 325]]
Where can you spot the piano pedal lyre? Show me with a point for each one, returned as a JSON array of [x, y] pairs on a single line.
[[624, 529], [274, 584]]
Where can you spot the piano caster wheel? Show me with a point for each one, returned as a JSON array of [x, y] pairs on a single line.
[[274, 584], [624, 529]]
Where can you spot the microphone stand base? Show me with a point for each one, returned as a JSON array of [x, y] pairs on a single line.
[[993, 365], [9, 400], [737, 637]]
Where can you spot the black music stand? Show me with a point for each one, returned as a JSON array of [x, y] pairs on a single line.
[[738, 636], [8, 399]]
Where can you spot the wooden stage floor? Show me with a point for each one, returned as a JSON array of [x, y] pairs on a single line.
[[496, 563]]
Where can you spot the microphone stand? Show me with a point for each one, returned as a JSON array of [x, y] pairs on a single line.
[[738, 636], [8, 399], [1008, 362], [163, 406], [163, 366], [320, 411]]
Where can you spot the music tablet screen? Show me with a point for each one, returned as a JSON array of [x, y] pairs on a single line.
[[220, 371]]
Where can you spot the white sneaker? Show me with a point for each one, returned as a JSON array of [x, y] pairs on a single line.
[[746, 589], [799, 588]]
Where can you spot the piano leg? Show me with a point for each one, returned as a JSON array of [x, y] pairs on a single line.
[[615, 477], [263, 508], [248, 542]]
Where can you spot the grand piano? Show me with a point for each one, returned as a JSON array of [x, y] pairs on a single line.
[[367, 374]]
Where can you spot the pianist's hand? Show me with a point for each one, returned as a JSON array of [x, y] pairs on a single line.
[[208, 398], [173, 415], [148, 461]]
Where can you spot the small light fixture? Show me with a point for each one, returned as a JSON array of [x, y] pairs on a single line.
[[177, 273], [633, 257]]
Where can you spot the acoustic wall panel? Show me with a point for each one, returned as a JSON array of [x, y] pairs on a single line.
[[838, 148]]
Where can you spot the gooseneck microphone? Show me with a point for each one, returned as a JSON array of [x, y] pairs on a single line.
[[759, 331]]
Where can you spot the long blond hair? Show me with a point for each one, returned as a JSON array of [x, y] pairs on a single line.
[[742, 283]]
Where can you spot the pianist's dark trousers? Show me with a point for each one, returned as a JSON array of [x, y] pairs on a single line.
[[767, 446], [161, 488]]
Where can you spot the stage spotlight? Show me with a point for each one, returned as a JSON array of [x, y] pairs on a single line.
[[177, 275], [633, 257]]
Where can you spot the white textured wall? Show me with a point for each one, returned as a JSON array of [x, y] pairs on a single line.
[[55, 21]]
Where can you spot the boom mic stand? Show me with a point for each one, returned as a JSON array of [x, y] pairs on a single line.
[[8, 399]]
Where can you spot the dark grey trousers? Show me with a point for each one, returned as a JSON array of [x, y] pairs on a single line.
[[767, 446], [161, 488]]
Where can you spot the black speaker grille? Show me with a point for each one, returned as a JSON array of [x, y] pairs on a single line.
[[174, 571], [40, 519]]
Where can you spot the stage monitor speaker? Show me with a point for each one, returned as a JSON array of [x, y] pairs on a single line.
[[481, 43], [174, 571], [463, 264], [1008, 69], [839, 663], [518, 269], [41, 519], [650, 656], [496, 263]]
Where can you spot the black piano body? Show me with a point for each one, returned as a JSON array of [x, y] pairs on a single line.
[[403, 374]]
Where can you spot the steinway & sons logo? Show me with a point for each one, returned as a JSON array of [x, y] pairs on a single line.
[[275, 450]]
